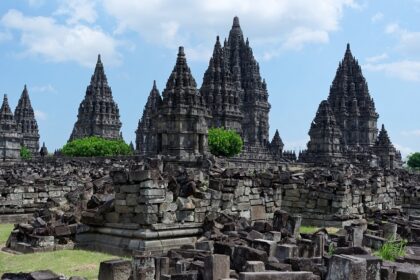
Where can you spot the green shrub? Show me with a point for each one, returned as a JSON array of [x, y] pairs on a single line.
[[414, 160], [225, 143], [95, 146], [331, 249], [392, 249], [25, 153]]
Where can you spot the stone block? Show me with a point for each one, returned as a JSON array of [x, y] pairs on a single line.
[[346, 267], [143, 268], [137, 176], [207, 245], [254, 266], [373, 267], [278, 275], [145, 218], [242, 254], [216, 267], [185, 216], [265, 245], [115, 270], [258, 213], [162, 266], [287, 251]]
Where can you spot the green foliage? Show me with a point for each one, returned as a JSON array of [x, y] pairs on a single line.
[[414, 160], [392, 249], [308, 229], [331, 249], [224, 142], [95, 146], [25, 153]]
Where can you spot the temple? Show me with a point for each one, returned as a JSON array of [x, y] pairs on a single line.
[[345, 125], [233, 95], [98, 113], [10, 133], [28, 127]]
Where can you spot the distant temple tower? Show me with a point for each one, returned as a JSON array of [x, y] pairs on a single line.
[[25, 119], [146, 134], [345, 126], [237, 95], [98, 113], [182, 123], [10, 136]]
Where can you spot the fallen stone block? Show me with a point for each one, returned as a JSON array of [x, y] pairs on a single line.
[[216, 267], [286, 251], [143, 268], [242, 254], [254, 266], [346, 267], [115, 270], [278, 275]]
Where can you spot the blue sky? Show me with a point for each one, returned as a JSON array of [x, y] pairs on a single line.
[[52, 47]]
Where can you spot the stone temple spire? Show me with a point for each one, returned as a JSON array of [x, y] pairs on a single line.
[[352, 104], [98, 113], [10, 136], [325, 136], [220, 94], [146, 132], [182, 120], [181, 78], [25, 118], [276, 145], [383, 138], [388, 156]]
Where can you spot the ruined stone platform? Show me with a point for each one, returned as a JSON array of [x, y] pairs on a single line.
[[119, 239]]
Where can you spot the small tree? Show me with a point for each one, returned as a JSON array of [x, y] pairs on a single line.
[[25, 153], [414, 160], [224, 142], [95, 146]]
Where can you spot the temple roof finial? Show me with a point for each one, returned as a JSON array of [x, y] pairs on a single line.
[[99, 59], [181, 51], [236, 22], [154, 84]]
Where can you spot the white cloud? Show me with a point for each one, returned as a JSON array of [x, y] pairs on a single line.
[[43, 89], [408, 41], [40, 115], [291, 24], [78, 10], [408, 70], [377, 58], [43, 36], [377, 17], [296, 145], [415, 132]]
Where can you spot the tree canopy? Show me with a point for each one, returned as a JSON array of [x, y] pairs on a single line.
[[224, 142], [95, 146]]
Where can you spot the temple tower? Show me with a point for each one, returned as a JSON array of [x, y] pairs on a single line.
[[98, 113], [325, 136], [234, 88], [352, 105], [183, 116], [10, 135], [25, 118], [388, 157], [146, 134]]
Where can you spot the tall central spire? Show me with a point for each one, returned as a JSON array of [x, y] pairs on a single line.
[[98, 113]]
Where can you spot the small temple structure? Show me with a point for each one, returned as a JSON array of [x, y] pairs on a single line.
[[345, 126], [10, 133], [25, 118], [98, 113]]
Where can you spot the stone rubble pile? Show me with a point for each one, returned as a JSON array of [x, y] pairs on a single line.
[[52, 228]]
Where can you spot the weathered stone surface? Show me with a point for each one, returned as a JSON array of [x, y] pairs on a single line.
[[216, 267], [345, 267], [115, 270]]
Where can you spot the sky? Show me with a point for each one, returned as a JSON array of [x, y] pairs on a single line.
[[52, 46]]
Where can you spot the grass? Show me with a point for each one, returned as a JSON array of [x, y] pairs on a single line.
[[312, 229], [392, 249], [66, 262]]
